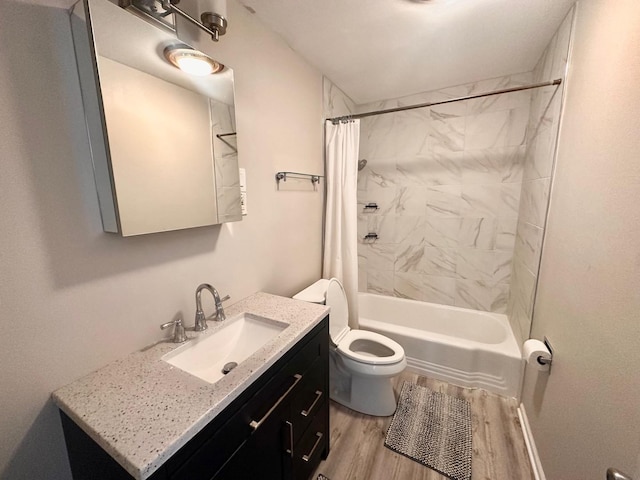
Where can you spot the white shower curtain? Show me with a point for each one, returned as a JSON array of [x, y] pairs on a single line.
[[340, 232]]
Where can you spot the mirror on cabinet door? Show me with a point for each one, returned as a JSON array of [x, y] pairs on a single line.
[[163, 142]]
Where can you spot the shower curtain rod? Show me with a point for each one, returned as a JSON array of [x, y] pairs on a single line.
[[335, 120]]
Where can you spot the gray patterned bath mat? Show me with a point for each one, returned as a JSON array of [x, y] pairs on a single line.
[[433, 429]]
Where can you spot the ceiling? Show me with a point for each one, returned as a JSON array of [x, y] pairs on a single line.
[[380, 49]]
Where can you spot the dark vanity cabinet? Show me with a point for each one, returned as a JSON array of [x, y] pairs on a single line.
[[278, 428]]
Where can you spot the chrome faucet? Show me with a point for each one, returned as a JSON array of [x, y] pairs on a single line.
[[201, 320], [178, 334]]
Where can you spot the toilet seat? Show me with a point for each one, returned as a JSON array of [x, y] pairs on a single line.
[[348, 343], [361, 346], [362, 362], [339, 316]]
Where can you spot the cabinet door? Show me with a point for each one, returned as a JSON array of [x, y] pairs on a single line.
[[263, 455]]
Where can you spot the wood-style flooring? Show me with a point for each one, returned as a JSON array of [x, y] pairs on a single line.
[[358, 451]]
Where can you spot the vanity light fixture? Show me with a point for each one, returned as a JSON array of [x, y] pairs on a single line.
[[213, 20], [191, 61], [216, 18]]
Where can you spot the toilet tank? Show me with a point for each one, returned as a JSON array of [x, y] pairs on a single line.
[[314, 293]]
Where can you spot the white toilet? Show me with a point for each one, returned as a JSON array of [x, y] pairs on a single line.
[[362, 362]]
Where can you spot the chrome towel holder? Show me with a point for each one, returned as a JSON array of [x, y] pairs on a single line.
[[284, 175]]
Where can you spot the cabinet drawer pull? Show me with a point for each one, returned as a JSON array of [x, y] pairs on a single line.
[[255, 425], [305, 413], [306, 458], [290, 448]]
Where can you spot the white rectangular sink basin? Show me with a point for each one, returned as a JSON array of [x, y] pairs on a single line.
[[236, 340]]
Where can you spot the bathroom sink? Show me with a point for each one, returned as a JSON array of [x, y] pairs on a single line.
[[234, 341]]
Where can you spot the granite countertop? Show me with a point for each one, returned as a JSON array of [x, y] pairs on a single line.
[[141, 410]]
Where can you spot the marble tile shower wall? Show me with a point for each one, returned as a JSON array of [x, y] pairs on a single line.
[[447, 182], [336, 103], [542, 133], [225, 154]]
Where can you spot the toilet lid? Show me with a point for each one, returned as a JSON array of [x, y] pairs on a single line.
[[339, 315], [371, 348], [314, 293]]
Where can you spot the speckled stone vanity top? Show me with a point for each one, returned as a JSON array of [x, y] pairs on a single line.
[[141, 410]]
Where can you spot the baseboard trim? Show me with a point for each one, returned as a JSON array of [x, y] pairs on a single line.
[[534, 458]]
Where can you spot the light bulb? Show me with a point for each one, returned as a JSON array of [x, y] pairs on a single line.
[[194, 66], [192, 61]]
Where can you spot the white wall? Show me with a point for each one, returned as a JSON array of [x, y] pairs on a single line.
[[585, 414], [73, 298]]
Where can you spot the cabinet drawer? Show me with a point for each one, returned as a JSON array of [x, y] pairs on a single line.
[[313, 445], [310, 397], [233, 435]]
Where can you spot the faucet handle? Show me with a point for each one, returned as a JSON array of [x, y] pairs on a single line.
[[179, 336], [220, 315]]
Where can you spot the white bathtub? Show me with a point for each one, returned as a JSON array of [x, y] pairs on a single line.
[[464, 347]]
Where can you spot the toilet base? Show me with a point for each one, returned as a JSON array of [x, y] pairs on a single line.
[[372, 396]]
